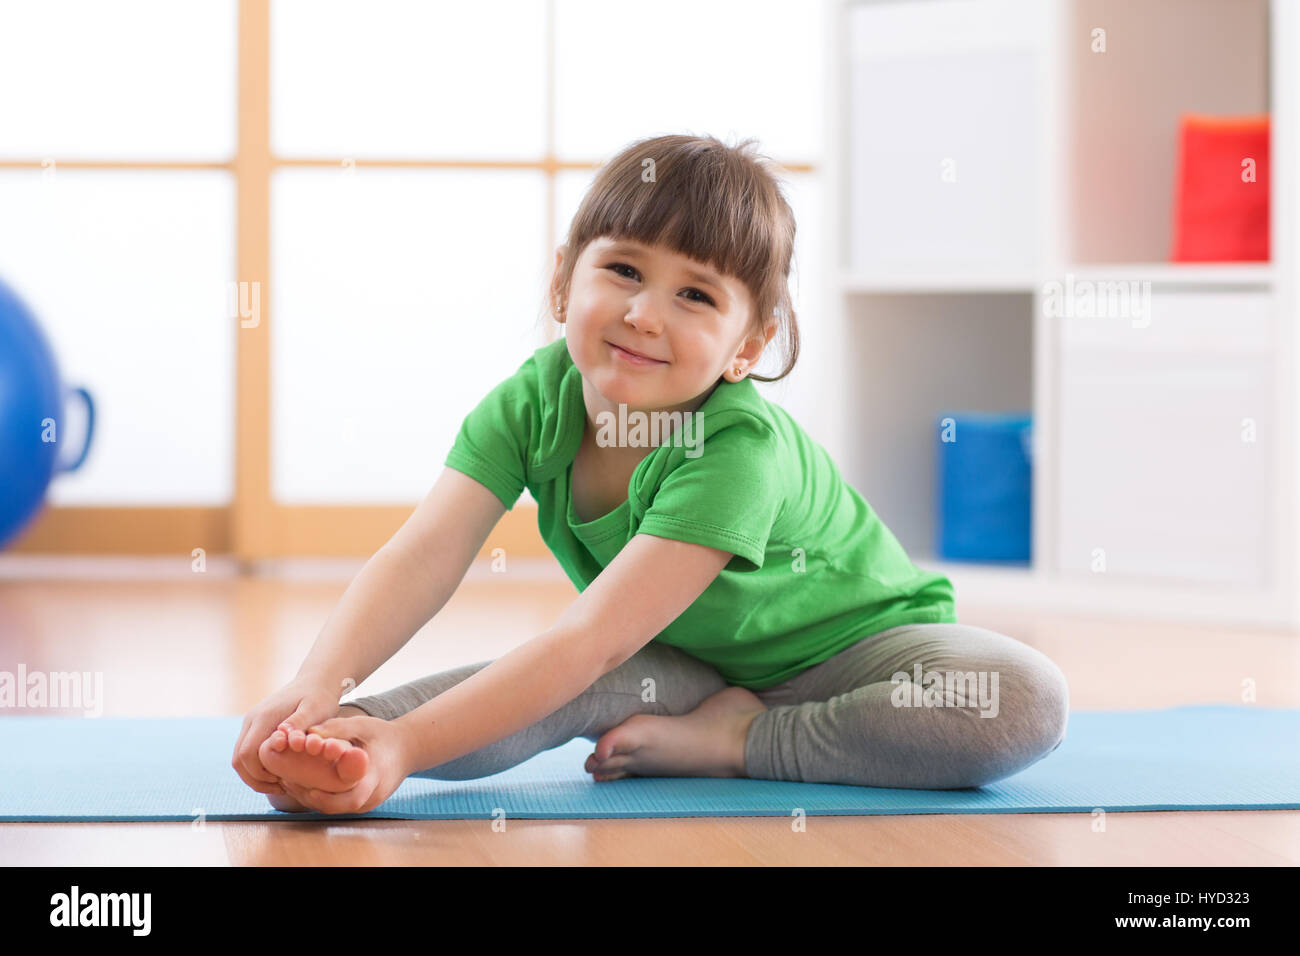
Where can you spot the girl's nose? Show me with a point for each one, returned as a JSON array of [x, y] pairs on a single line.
[[641, 317]]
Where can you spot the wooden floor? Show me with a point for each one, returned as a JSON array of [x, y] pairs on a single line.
[[174, 642]]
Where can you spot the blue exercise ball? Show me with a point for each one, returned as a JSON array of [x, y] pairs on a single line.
[[32, 401]]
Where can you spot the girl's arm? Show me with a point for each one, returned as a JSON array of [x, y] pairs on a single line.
[[641, 592], [406, 582]]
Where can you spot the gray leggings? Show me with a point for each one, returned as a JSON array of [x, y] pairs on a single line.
[[999, 706]]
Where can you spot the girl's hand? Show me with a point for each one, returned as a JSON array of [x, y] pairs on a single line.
[[385, 744], [292, 709]]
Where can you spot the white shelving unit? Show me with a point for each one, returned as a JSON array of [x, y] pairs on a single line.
[[983, 156]]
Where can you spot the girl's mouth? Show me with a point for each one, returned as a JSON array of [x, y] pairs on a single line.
[[632, 359]]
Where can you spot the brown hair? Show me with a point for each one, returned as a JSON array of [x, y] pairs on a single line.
[[717, 204]]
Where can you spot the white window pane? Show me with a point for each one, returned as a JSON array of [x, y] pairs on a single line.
[[131, 79], [729, 68], [570, 186], [128, 273], [408, 79], [400, 298]]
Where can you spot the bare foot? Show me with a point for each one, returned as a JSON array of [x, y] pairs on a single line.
[[282, 801], [707, 742], [310, 760]]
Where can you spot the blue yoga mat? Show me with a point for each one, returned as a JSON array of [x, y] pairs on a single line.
[[1187, 758]]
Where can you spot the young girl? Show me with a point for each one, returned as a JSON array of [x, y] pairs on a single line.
[[743, 611]]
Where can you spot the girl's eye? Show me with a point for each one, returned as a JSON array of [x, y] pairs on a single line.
[[704, 296]]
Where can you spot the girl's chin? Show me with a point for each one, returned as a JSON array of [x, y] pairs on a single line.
[[618, 387]]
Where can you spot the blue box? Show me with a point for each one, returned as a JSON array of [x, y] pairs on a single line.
[[983, 485]]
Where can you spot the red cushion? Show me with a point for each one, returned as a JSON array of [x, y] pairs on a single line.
[[1218, 215]]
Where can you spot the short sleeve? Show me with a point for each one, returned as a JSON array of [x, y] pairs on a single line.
[[492, 444], [728, 497]]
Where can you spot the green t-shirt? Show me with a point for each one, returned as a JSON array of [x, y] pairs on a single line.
[[815, 570]]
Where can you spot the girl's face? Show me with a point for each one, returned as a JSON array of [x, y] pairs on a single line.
[[689, 320]]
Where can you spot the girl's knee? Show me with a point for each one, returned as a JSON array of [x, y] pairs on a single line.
[[1029, 724], [663, 674], [1051, 704]]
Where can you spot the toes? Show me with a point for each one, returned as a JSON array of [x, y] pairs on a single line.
[[618, 742], [318, 770], [297, 741], [611, 745], [335, 748], [610, 765], [315, 743], [352, 766], [267, 753]]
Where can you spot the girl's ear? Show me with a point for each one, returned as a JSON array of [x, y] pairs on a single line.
[[555, 277]]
